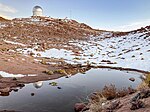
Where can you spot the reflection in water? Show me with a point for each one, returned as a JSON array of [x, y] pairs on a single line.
[[38, 84], [73, 89]]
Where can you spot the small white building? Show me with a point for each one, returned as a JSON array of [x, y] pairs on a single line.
[[37, 11]]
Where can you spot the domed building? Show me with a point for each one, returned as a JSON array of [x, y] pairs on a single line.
[[37, 11]]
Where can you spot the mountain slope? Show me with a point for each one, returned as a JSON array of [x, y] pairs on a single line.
[[77, 43], [46, 28]]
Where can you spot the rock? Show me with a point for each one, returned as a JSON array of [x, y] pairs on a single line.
[[49, 72], [136, 97], [14, 78], [20, 85], [31, 54], [137, 105], [15, 89], [38, 54], [132, 79], [114, 105], [32, 94], [58, 87], [79, 107], [143, 77], [67, 77], [144, 93]]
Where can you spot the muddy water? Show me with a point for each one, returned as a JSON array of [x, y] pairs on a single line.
[[47, 98]]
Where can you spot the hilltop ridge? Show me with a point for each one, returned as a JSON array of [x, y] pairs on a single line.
[[46, 27]]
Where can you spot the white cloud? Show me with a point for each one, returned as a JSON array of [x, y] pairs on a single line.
[[7, 9], [133, 26], [5, 16]]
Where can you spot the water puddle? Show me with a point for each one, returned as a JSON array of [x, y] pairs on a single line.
[[61, 97]]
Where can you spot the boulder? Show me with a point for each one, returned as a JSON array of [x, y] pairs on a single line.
[[137, 105], [113, 105], [79, 107], [132, 79], [32, 94]]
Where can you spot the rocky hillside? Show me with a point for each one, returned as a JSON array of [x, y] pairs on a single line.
[[45, 28], [79, 43]]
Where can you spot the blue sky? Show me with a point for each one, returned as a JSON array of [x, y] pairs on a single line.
[[103, 14]]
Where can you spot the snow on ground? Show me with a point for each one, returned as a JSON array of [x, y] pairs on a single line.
[[5, 74], [130, 51], [16, 43], [2, 25], [67, 55]]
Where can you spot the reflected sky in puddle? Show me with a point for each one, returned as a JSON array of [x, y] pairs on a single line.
[[49, 98]]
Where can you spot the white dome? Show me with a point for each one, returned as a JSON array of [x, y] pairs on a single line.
[[37, 11]]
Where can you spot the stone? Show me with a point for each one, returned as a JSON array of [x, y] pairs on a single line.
[[142, 94], [14, 78], [67, 77], [38, 54], [79, 107], [145, 93], [136, 97], [114, 105], [132, 79], [31, 54], [15, 90], [58, 87], [20, 85], [137, 105], [32, 94]]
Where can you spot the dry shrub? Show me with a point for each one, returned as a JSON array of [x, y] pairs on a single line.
[[99, 100], [147, 80], [110, 92], [96, 102]]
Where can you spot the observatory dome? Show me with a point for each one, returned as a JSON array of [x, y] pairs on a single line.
[[37, 11]]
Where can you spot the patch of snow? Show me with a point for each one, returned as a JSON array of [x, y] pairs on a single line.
[[5, 74], [35, 19], [16, 43], [2, 25], [130, 51]]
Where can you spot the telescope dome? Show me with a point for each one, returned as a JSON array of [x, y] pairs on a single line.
[[37, 11]]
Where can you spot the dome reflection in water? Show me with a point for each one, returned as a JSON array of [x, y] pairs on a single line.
[[48, 98], [38, 84]]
